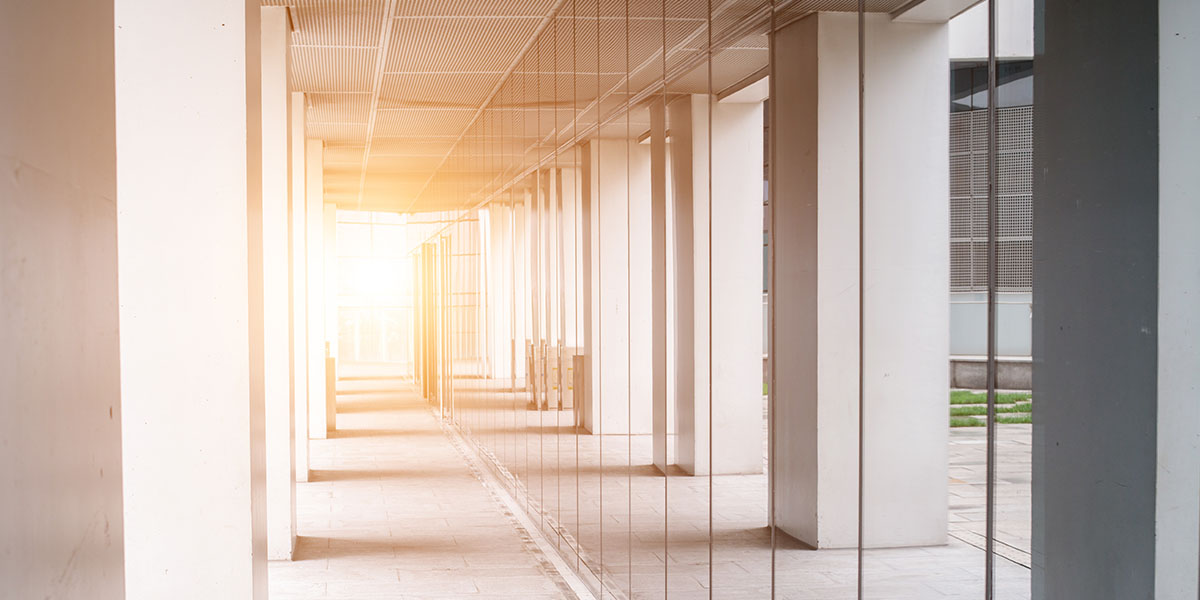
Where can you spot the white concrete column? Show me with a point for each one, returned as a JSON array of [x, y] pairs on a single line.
[[658, 283], [686, 117], [190, 277], [587, 302], [499, 321], [735, 296], [816, 358], [60, 399], [299, 257], [329, 222], [736, 292], [572, 332], [1177, 477], [621, 348], [315, 251], [277, 375]]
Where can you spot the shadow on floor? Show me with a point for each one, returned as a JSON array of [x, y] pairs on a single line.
[[383, 433], [380, 474], [319, 548]]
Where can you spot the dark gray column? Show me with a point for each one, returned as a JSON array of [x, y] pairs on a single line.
[[1115, 457]]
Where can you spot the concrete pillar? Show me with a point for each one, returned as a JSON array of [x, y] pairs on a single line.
[[329, 261], [298, 212], [816, 331], [277, 375], [499, 296], [315, 251], [1177, 502], [734, 294], [587, 394], [1115, 283], [570, 322], [60, 405], [621, 348], [190, 277], [658, 283]]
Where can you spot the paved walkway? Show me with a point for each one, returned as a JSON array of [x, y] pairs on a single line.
[[394, 511]]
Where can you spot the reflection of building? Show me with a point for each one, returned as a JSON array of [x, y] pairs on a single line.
[[585, 179], [969, 193]]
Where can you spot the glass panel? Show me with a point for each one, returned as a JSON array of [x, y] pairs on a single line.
[[587, 83], [645, 284], [689, 512], [562, 370], [741, 553], [615, 406], [1012, 130]]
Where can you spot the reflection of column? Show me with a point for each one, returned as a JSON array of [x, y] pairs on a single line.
[[621, 349], [569, 273], [277, 390], [298, 232], [315, 189], [816, 282], [734, 294], [190, 286], [586, 396], [329, 263], [658, 280], [682, 122], [736, 288]]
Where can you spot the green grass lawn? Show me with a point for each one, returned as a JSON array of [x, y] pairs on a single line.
[[969, 397], [966, 422], [1011, 409], [977, 409], [1025, 419]]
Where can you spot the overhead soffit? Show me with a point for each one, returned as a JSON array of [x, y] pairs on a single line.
[[415, 76]]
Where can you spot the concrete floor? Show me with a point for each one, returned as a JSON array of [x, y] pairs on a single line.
[[604, 504], [394, 511]]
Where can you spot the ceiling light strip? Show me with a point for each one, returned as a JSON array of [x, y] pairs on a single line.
[[385, 40]]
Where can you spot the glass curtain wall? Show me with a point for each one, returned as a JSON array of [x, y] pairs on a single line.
[[588, 309]]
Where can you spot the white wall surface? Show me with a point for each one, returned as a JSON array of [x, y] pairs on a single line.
[[1014, 31], [60, 410], [189, 193], [277, 358]]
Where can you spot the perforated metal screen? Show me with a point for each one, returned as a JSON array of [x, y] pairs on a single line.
[[968, 200]]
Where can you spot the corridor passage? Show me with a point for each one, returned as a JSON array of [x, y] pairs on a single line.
[[392, 510]]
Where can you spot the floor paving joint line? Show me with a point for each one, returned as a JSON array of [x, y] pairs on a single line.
[[568, 575]]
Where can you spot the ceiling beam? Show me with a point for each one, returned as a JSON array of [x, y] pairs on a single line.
[[931, 11]]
